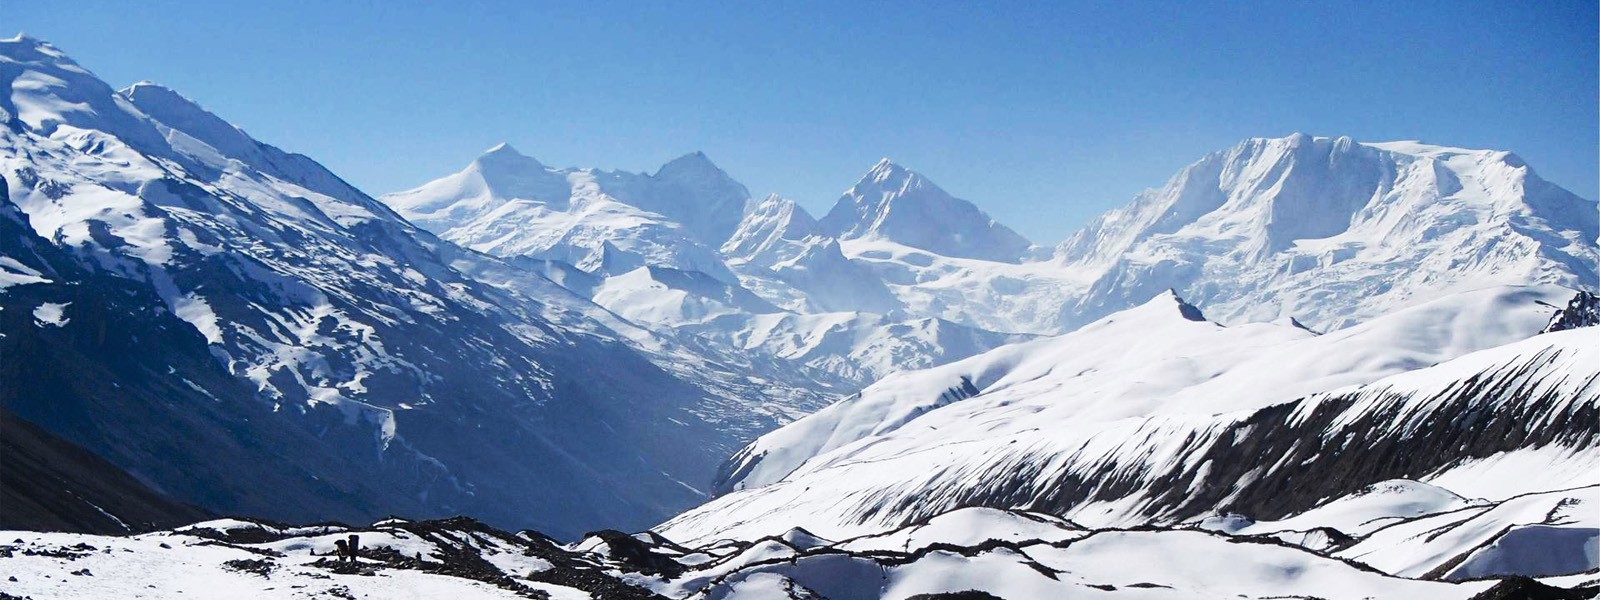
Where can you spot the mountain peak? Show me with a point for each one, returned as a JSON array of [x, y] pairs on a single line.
[[179, 112], [889, 174], [764, 228], [22, 39], [146, 83], [28, 49], [897, 204], [502, 148], [503, 159], [884, 169], [699, 194], [160, 101], [693, 164]]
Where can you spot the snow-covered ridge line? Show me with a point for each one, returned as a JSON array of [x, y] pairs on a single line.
[[1328, 231], [1118, 367], [1009, 450], [372, 367]]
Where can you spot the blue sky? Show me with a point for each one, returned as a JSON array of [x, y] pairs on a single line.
[[1044, 113]]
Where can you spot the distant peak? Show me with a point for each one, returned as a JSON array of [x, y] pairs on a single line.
[[146, 83], [889, 174], [502, 157], [22, 38], [694, 160], [895, 203], [885, 170], [692, 167], [26, 48], [503, 149], [147, 90]]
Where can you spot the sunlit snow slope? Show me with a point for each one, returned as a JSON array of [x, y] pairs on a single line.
[[1154, 415]]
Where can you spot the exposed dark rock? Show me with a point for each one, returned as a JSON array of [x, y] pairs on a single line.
[[637, 556], [1524, 588], [1583, 310], [263, 568], [965, 595], [1323, 451]]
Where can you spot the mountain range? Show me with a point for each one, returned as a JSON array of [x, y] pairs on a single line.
[[1330, 367]]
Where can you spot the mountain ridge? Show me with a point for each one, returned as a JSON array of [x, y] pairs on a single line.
[[369, 366]]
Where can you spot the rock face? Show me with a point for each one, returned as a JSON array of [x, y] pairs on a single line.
[[1582, 311]]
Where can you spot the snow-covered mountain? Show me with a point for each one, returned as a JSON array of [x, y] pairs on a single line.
[[1328, 231], [1155, 415], [242, 329], [510, 205], [779, 252], [899, 205], [685, 254], [1398, 395], [1333, 232]]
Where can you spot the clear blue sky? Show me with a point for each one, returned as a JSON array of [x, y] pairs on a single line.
[[1044, 113]]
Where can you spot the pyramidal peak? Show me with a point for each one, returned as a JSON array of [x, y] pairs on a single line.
[[692, 165], [503, 159], [897, 204], [889, 174], [503, 150]]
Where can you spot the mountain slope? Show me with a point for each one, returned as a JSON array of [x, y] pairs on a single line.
[[1332, 232], [357, 365], [776, 295], [779, 251], [1150, 415], [508, 204], [50, 484]]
